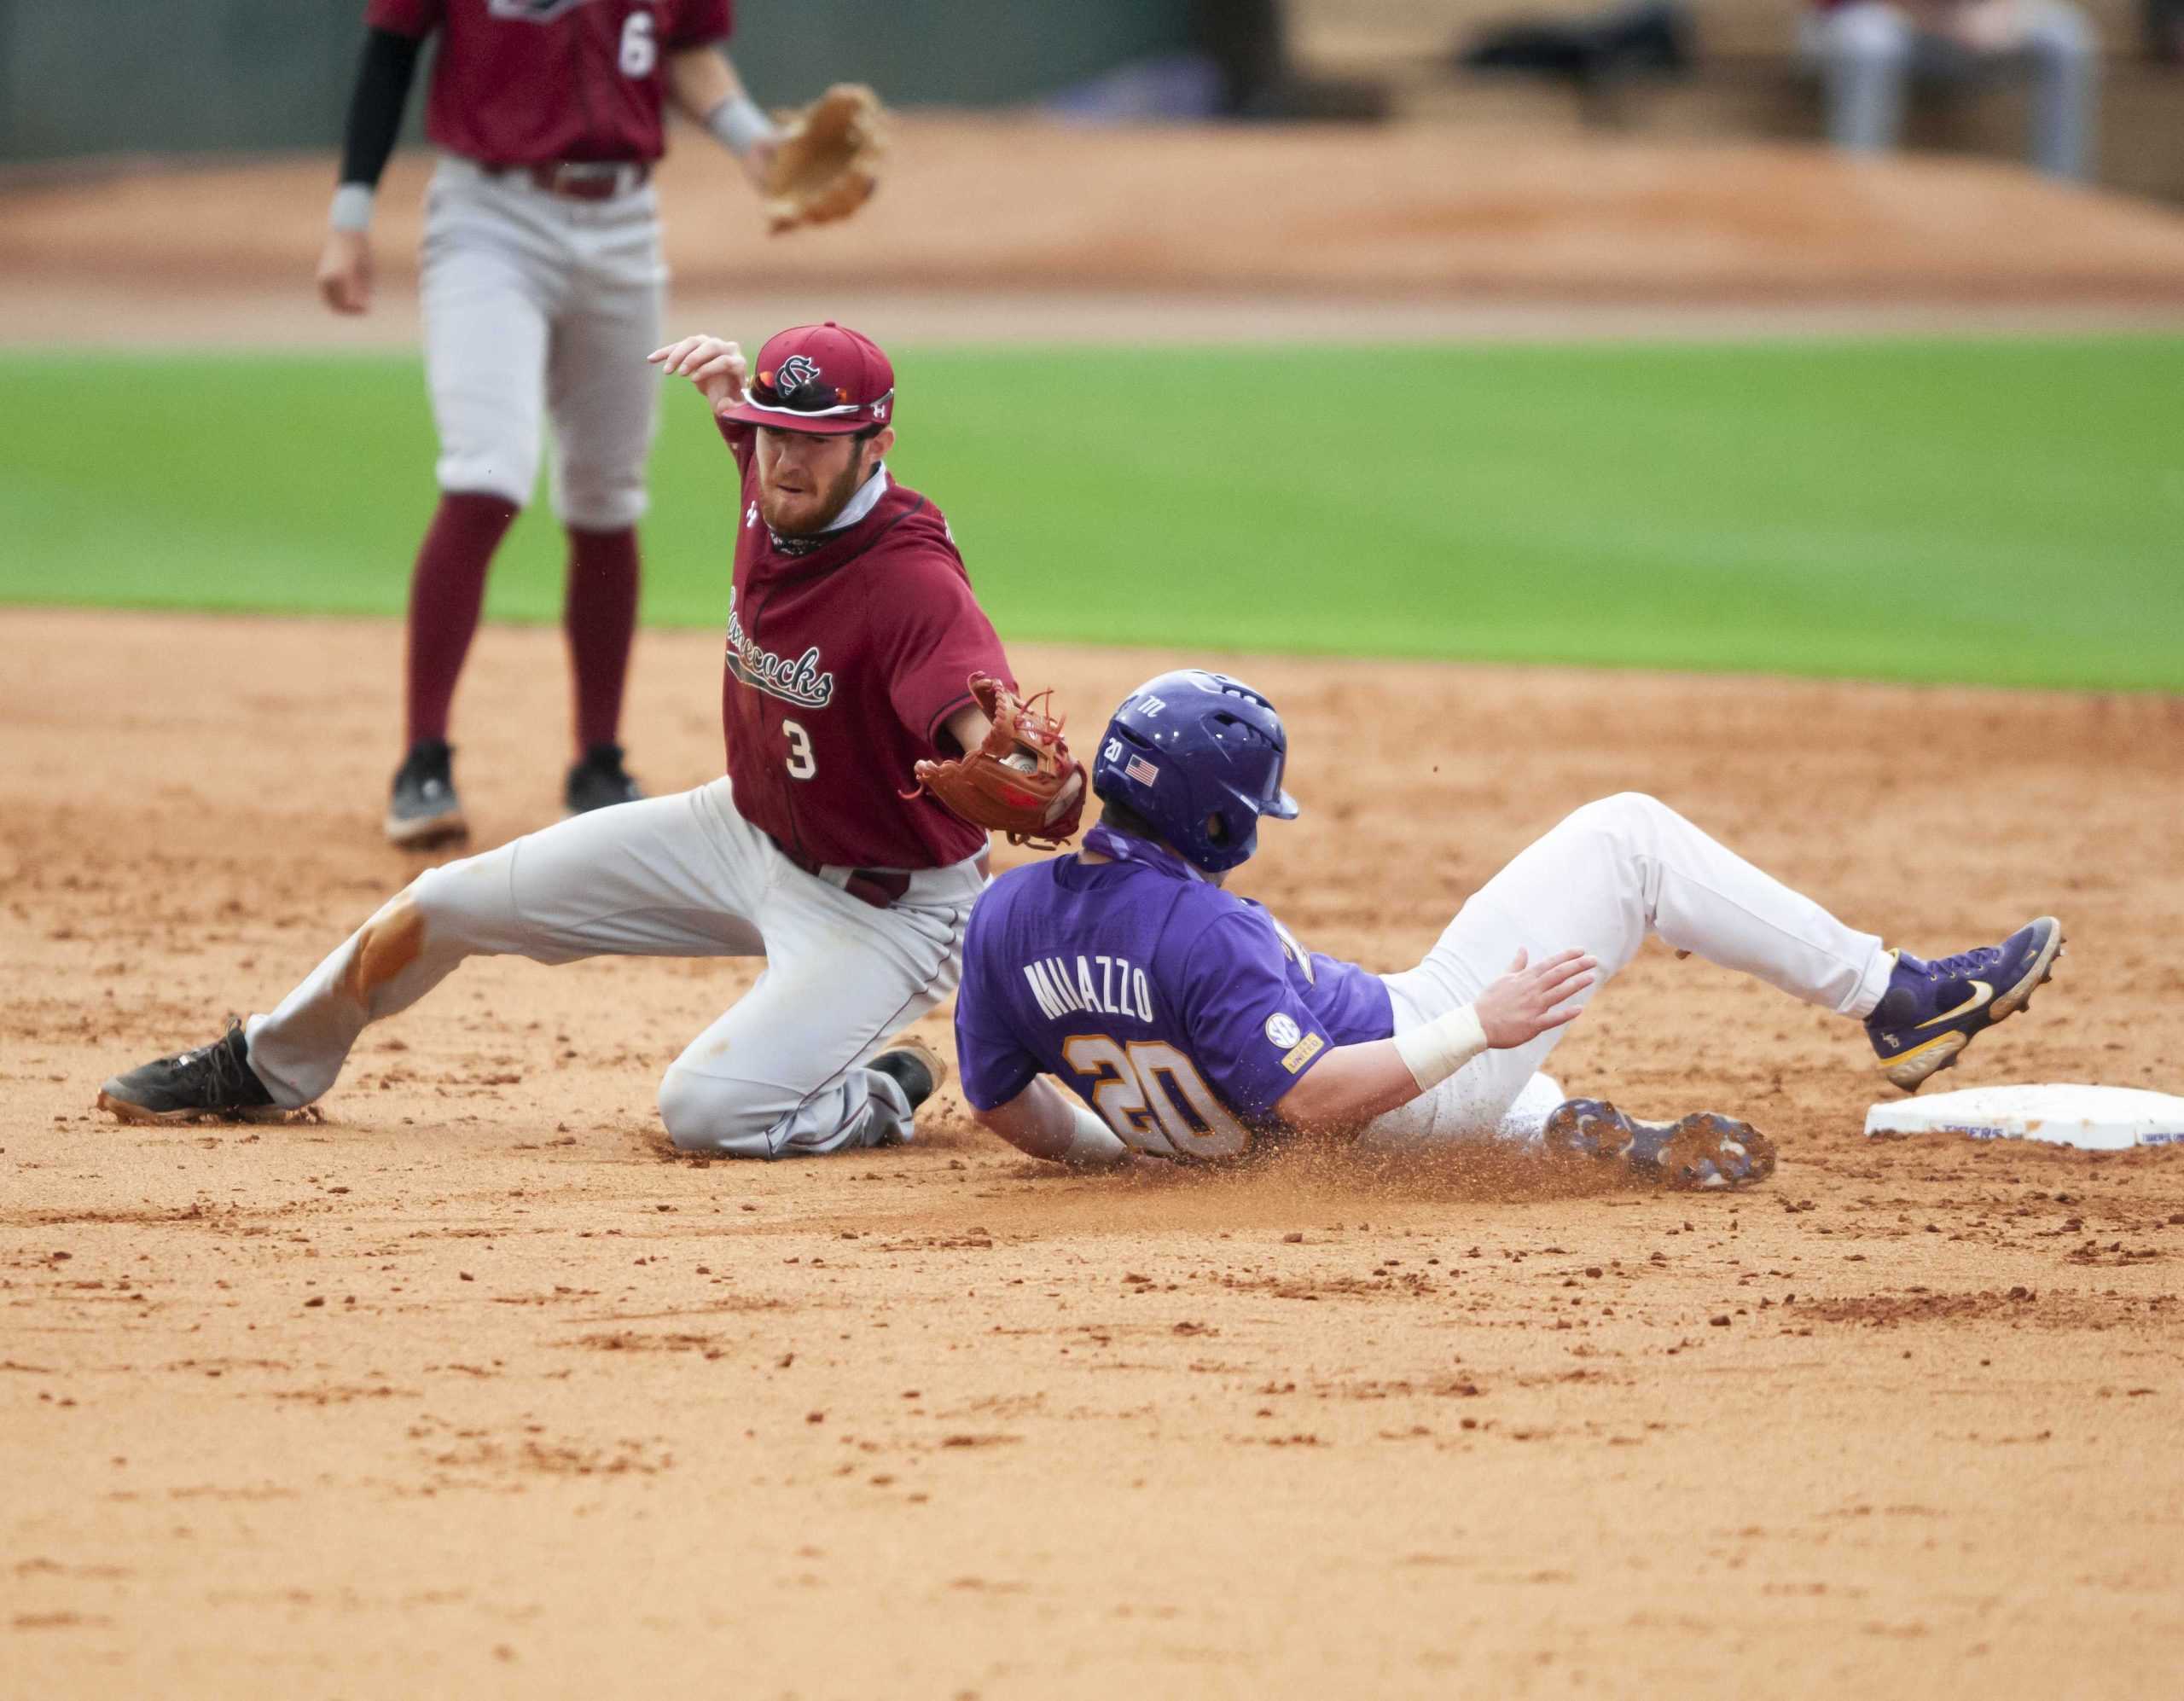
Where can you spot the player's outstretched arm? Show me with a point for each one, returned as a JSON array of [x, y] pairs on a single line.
[[714, 364], [704, 83], [1354, 1084], [1043, 1122], [1016, 774]]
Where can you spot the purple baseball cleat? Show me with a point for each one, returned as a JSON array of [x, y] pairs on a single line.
[[1704, 1150], [1932, 1010]]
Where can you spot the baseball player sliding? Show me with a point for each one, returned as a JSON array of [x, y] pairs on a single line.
[[857, 658], [541, 287], [1194, 1026]]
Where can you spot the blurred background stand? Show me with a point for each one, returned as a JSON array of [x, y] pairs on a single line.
[[1236, 64], [267, 76], [1747, 82], [2164, 31], [1597, 54]]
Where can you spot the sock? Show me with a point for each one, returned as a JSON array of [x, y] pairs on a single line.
[[601, 618], [445, 592]]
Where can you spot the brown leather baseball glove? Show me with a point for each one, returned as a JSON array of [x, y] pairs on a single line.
[[1022, 781], [825, 160]]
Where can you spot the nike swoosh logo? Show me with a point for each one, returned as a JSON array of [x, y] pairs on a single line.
[[1982, 995]]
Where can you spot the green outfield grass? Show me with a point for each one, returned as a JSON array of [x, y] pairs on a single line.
[[2009, 512]]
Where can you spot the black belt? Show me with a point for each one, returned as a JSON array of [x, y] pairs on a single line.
[[881, 888], [582, 179]]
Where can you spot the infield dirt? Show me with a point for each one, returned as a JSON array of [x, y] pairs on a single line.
[[474, 1387]]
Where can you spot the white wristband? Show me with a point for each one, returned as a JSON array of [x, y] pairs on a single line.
[[738, 124], [353, 208], [1092, 1143], [1438, 1050]]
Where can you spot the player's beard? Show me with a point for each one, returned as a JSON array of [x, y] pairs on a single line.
[[807, 516]]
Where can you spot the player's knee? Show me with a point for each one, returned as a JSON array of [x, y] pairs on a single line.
[[598, 494], [1633, 821], [1619, 813], [466, 906], [434, 891], [602, 509], [488, 472], [718, 1115], [454, 889]]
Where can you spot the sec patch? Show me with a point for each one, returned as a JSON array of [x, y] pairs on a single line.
[[1282, 1031]]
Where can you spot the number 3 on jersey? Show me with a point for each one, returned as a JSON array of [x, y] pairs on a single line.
[[640, 46], [802, 765]]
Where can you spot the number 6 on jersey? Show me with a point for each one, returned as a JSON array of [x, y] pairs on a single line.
[[640, 45]]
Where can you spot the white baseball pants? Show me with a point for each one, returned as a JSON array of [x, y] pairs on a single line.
[[1600, 881], [780, 1074], [536, 303]]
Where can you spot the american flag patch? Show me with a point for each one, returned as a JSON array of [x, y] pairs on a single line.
[[1138, 768]]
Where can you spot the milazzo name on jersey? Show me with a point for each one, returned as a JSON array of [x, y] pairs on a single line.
[[800, 680], [1113, 988]]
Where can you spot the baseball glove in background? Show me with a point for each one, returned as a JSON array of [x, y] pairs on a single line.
[[826, 161], [1022, 781]]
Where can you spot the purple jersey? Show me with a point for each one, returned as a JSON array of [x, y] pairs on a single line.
[[1178, 1011]]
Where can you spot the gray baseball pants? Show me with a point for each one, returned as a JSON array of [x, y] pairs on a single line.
[[780, 1074], [537, 304]]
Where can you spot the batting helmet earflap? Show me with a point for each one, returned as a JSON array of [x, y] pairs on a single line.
[[1199, 756]]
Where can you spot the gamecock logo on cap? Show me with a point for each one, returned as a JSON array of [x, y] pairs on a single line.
[[798, 370]]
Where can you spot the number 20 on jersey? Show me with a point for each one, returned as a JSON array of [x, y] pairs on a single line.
[[1154, 1099]]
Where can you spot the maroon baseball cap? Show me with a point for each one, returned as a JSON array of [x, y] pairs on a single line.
[[826, 380]]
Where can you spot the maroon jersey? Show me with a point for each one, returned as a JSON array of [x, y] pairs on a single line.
[[843, 664], [526, 81]]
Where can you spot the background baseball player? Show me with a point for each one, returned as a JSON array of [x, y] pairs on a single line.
[[852, 631], [1191, 1021], [542, 288]]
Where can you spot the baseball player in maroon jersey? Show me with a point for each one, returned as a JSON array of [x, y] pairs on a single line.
[[851, 632], [542, 285]]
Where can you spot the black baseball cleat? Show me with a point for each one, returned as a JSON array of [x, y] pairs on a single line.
[[1703, 1151], [424, 810], [916, 1069], [599, 780], [215, 1080]]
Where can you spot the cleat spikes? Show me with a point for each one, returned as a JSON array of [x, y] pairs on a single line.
[[1704, 1152]]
